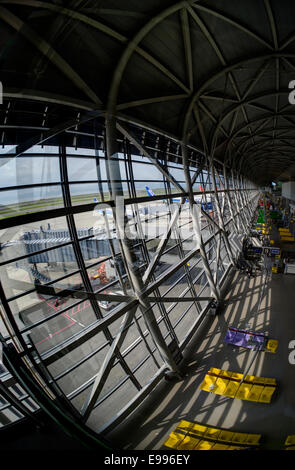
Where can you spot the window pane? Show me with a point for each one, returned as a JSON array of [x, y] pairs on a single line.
[[25, 170], [24, 239], [24, 201]]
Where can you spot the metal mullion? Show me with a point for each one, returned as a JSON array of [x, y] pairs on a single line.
[[204, 196], [140, 364], [243, 213], [131, 191], [198, 276], [84, 182], [134, 345], [223, 205], [198, 231], [149, 271], [194, 265], [51, 317], [27, 353], [162, 306], [187, 271], [119, 312], [47, 373], [87, 384], [236, 214], [144, 250], [244, 194], [73, 232], [143, 336], [29, 186], [97, 162], [30, 291], [129, 372], [96, 263], [217, 256], [118, 353], [183, 315], [96, 330], [15, 402], [81, 361], [228, 247], [228, 195], [237, 203], [128, 255], [181, 297], [19, 258], [154, 160], [72, 227], [161, 248], [175, 283]]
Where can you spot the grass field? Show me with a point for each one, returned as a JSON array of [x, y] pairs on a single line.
[[29, 207]]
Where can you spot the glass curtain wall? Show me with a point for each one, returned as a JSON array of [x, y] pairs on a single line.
[[68, 300]]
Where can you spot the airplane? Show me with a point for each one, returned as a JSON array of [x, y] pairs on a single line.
[[108, 211], [151, 193], [198, 199]]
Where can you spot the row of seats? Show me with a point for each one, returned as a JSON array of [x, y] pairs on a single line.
[[194, 436], [271, 345], [286, 235], [222, 382], [250, 339], [290, 442]]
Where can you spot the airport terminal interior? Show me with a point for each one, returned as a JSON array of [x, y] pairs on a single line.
[[147, 225]]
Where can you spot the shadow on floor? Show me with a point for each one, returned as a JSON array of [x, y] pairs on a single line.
[[256, 303]]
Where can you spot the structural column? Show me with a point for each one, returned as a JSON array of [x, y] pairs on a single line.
[[228, 247], [196, 223], [133, 270]]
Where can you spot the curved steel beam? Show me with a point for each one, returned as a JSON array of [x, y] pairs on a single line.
[[220, 56], [101, 27], [272, 24], [46, 97], [233, 23], [131, 47], [47, 50], [245, 140], [187, 47], [160, 99], [266, 117], [220, 73], [249, 100]]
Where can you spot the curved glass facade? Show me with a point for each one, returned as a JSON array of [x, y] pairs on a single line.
[[100, 316]]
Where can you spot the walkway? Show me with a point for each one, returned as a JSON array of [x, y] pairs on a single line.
[[172, 402]]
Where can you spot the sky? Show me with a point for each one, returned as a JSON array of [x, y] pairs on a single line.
[[26, 170]]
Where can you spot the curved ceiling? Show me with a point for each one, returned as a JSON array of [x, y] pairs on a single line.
[[212, 73]]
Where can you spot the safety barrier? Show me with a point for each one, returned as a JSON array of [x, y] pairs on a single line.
[[194, 436], [222, 382], [290, 442]]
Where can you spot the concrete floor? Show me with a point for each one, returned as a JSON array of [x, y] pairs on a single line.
[[171, 402]]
